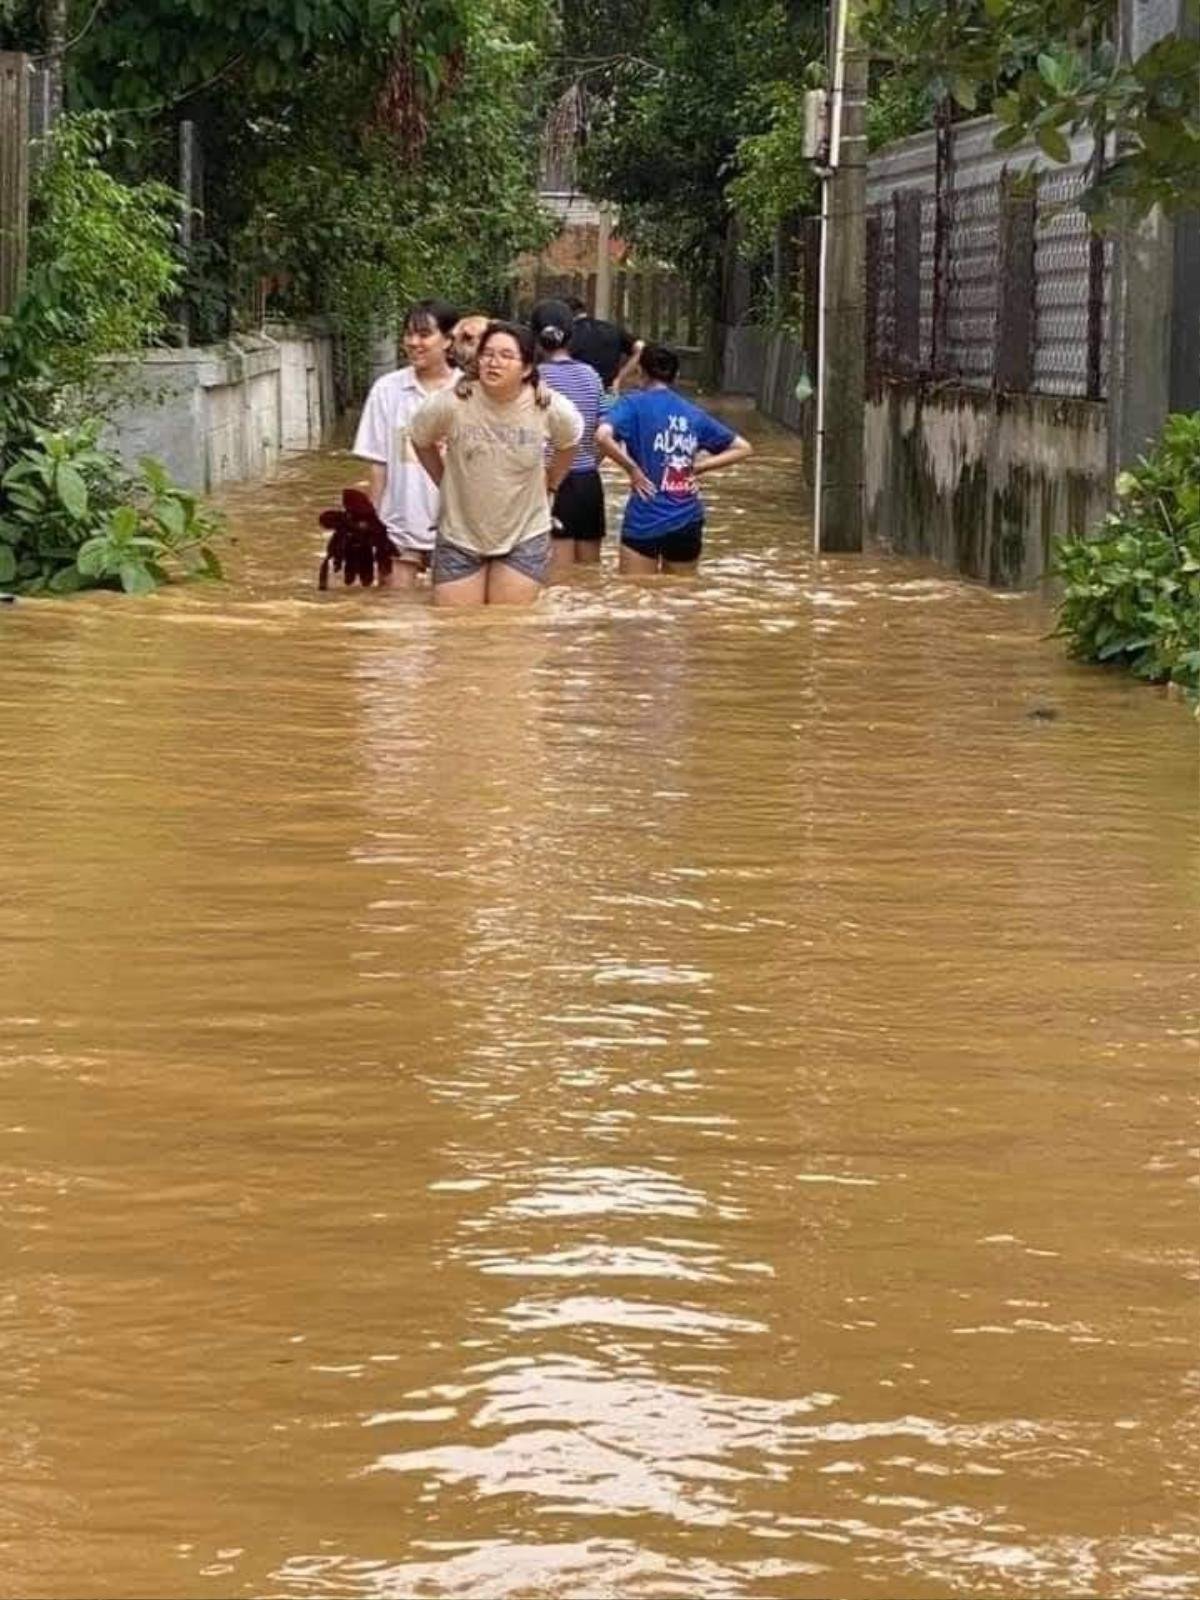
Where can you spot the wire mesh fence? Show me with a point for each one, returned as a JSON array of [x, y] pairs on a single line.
[[996, 285]]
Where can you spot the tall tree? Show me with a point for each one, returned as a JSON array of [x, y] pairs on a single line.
[[674, 90]]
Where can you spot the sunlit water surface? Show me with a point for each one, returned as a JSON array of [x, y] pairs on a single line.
[[686, 1093]]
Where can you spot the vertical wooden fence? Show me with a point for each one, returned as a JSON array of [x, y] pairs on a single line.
[[654, 303]]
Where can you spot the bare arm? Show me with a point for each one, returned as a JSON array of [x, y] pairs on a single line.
[[558, 466], [378, 483], [630, 366], [737, 451], [432, 460], [607, 446]]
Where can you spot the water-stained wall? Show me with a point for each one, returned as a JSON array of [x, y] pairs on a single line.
[[982, 482]]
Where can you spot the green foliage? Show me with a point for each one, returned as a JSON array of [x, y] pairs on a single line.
[[149, 53], [349, 224], [72, 517], [1052, 69], [101, 262], [1153, 102], [20, 25], [670, 122], [774, 181], [949, 48], [897, 106], [1132, 592], [102, 253]]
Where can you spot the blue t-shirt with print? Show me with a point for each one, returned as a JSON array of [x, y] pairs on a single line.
[[662, 432]]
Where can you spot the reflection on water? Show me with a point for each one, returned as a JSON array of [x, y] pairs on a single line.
[[687, 1092]]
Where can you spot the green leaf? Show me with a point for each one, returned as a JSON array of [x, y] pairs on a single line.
[[1054, 144], [71, 489], [172, 517], [155, 474], [92, 558], [1051, 70], [8, 564], [123, 524], [1009, 138], [135, 579], [66, 580], [965, 93]]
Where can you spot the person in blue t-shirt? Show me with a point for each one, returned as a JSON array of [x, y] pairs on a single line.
[[673, 442]]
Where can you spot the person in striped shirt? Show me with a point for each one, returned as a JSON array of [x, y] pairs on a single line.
[[579, 503]]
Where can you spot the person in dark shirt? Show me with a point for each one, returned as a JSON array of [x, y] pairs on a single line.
[[611, 349]]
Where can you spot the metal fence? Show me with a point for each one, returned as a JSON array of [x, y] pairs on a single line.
[[984, 273]]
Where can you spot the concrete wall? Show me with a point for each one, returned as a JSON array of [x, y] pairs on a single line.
[[768, 366], [982, 482], [225, 414]]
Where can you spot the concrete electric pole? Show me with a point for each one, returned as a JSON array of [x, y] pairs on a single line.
[[841, 397]]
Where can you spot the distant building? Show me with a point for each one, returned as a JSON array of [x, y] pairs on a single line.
[[572, 255]]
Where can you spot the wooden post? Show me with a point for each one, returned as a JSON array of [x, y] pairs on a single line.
[[1016, 309], [603, 303], [671, 315], [906, 279], [637, 303], [14, 176], [187, 216]]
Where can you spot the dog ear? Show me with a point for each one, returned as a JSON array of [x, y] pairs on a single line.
[[331, 519]]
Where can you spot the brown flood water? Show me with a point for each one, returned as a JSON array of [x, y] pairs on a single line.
[[687, 1093]]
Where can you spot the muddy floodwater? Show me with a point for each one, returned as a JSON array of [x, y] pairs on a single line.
[[688, 1092]]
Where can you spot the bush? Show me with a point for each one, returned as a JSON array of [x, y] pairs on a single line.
[[101, 251], [102, 261], [1132, 591], [72, 517]]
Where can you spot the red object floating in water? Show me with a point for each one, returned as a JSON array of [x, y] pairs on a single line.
[[359, 547]]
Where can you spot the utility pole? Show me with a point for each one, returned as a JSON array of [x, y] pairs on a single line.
[[841, 398]]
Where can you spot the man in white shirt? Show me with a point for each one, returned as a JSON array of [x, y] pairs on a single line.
[[403, 492]]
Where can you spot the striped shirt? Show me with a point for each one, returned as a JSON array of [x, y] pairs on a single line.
[[581, 386]]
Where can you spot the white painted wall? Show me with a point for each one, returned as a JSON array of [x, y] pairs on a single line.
[[226, 414]]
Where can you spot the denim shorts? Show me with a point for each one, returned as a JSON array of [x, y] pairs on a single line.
[[531, 558]]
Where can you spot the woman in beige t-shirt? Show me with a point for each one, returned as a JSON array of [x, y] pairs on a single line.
[[496, 478]]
